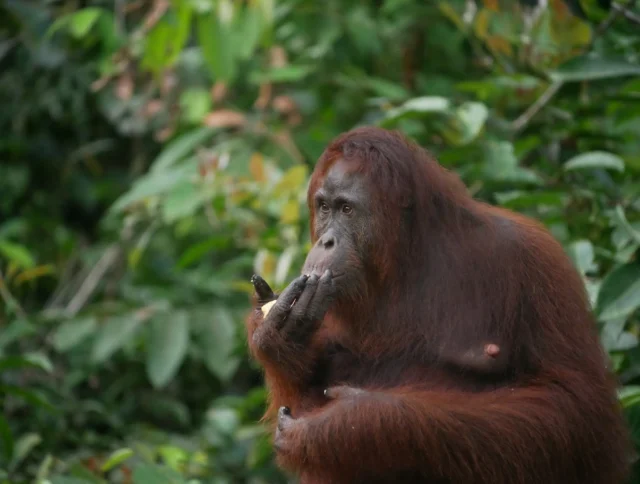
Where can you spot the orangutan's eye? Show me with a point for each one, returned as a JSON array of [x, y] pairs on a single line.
[[324, 207], [347, 209]]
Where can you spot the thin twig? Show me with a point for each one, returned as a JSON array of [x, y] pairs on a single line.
[[602, 28], [9, 299], [628, 14], [91, 282], [525, 118], [615, 12], [65, 280]]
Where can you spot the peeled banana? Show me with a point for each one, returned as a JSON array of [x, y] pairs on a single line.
[[267, 307]]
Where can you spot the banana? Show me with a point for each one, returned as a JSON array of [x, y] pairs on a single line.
[[267, 307]]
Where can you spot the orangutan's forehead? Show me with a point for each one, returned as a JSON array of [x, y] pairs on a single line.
[[341, 178]]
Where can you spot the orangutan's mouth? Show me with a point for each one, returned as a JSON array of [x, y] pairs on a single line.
[[317, 271]]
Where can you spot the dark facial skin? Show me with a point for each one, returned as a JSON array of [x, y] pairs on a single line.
[[343, 226]]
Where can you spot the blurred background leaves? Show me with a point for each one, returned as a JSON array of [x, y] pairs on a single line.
[[156, 153]]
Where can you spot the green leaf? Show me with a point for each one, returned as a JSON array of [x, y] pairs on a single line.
[[625, 233], [620, 292], [291, 73], [217, 48], [595, 159], [168, 344], [6, 436], [181, 202], [184, 13], [16, 330], [520, 200], [44, 469], [156, 47], [31, 396], [80, 473], [473, 115], [155, 474], [593, 10], [582, 254], [620, 219], [174, 457], [293, 180], [116, 458], [39, 361], [201, 249], [70, 333], [156, 184], [217, 339], [249, 29], [17, 254], [387, 89], [629, 395], [626, 341], [426, 104], [81, 22], [590, 69], [615, 338], [23, 446], [161, 407], [502, 165], [180, 147], [195, 104], [224, 420], [417, 107], [113, 334], [70, 480]]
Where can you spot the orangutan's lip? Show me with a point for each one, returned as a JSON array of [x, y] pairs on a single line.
[[319, 273]]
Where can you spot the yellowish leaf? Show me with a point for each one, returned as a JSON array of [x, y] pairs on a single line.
[[481, 23], [290, 212], [560, 9], [256, 167], [499, 44], [571, 33], [449, 12], [34, 273], [265, 263], [293, 179], [239, 196], [134, 257], [567, 30], [491, 4]]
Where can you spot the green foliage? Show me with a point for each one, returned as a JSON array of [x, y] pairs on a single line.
[[156, 154]]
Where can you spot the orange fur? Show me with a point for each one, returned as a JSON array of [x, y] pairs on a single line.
[[452, 273]]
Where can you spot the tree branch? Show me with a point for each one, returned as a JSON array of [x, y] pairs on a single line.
[[627, 13], [525, 118], [91, 282]]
